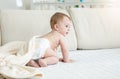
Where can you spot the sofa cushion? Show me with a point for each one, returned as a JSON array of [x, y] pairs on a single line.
[[21, 25], [97, 28], [0, 28]]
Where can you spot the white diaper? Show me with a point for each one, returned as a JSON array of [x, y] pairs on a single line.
[[43, 44]]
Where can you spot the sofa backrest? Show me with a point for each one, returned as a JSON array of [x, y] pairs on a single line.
[[0, 28], [96, 28], [21, 25]]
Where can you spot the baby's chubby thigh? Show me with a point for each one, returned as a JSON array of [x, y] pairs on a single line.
[[50, 57]]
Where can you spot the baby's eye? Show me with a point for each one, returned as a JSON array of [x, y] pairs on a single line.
[[67, 26]]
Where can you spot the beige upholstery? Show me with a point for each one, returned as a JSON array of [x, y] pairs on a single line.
[[97, 27], [94, 28], [0, 28], [21, 25]]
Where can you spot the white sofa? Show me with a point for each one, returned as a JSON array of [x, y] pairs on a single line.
[[97, 29]]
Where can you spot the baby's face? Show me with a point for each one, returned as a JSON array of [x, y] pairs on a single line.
[[64, 26]]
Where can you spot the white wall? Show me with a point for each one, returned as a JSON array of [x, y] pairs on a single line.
[[105, 0], [9, 4]]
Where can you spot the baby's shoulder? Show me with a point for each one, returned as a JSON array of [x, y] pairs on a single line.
[[58, 34]]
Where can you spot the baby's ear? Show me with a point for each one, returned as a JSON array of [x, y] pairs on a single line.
[[56, 27]]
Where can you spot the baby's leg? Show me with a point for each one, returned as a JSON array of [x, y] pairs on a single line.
[[42, 62], [32, 63], [50, 58]]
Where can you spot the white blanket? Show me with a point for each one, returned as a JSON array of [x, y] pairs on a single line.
[[13, 57]]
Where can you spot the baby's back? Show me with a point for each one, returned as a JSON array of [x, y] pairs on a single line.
[[54, 38]]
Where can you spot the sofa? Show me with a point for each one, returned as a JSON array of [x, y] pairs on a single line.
[[94, 41]]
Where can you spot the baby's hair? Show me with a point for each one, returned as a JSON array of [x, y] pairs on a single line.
[[58, 16]]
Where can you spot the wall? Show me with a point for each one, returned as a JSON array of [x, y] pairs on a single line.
[[8, 4], [11, 4]]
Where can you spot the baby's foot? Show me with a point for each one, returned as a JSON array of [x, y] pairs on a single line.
[[42, 63]]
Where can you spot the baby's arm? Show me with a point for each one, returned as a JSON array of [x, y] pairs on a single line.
[[64, 49]]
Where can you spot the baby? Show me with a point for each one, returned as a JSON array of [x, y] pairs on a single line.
[[45, 46]]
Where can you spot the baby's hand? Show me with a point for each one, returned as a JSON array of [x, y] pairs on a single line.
[[68, 61]]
